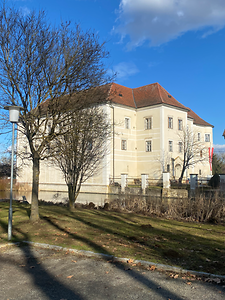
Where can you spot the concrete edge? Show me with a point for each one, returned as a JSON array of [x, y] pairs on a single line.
[[124, 260]]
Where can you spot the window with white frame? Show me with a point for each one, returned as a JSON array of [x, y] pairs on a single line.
[[180, 146], [123, 144], [170, 122], [170, 146], [127, 123], [49, 128], [148, 123], [148, 146], [180, 124], [48, 149], [207, 137], [199, 136], [89, 145]]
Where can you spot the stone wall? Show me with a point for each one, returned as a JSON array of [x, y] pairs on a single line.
[[167, 193]]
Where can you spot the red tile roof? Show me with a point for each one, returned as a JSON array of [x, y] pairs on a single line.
[[121, 95], [197, 119], [153, 94], [149, 95]]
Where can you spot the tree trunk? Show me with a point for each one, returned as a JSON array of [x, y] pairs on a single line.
[[34, 216], [71, 196], [182, 175]]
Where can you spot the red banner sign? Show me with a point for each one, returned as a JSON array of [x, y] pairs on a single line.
[[210, 157]]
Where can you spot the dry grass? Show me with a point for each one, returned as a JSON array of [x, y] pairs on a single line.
[[198, 209]]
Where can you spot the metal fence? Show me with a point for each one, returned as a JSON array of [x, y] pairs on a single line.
[[136, 181]]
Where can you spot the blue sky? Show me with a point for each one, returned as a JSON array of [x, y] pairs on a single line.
[[178, 43]]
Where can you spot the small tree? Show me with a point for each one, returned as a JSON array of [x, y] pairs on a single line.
[[5, 167], [45, 70], [216, 164], [193, 150], [79, 152], [221, 158]]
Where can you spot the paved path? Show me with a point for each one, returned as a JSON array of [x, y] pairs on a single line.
[[34, 273]]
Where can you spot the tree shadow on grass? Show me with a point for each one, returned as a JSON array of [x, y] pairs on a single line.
[[177, 250], [122, 266], [50, 293], [42, 279]]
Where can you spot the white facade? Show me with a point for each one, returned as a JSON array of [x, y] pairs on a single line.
[[147, 125]]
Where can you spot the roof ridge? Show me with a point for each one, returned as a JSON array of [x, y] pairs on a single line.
[[134, 98], [158, 85], [111, 84]]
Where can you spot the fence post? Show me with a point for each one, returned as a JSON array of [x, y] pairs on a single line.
[[144, 182], [222, 182], [193, 183], [166, 180], [123, 182]]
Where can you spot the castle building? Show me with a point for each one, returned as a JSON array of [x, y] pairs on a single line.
[[148, 137]]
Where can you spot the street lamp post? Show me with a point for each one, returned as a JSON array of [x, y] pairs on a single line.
[[13, 118]]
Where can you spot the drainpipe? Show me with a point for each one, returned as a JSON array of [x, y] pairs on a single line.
[[113, 170]]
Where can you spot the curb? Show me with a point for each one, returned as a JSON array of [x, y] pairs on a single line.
[[117, 259]]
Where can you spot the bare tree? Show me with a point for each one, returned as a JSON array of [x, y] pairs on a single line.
[[164, 160], [193, 150], [79, 152], [47, 70], [218, 163]]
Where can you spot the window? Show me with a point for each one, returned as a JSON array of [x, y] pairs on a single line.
[[199, 136], [48, 149], [200, 172], [25, 149], [127, 123], [207, 137], [124, 145], [148, 146], [148, 123], [89, 145], [168, 168], [170, 122], [180, 147], [170, 146], [180, 124], [49, 128], [200, 153]]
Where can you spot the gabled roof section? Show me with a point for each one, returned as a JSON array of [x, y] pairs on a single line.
[[149, 95], [154, 94], [197, 119], [121, 95]]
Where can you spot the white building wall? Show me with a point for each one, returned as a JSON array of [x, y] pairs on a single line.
[[134, 160]]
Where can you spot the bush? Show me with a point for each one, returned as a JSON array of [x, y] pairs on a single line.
[[198, 209], [214, 182]]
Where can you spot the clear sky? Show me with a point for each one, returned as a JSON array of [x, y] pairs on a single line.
[[178, 43]]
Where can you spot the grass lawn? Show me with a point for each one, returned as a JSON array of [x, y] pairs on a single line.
[[194, 246]]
